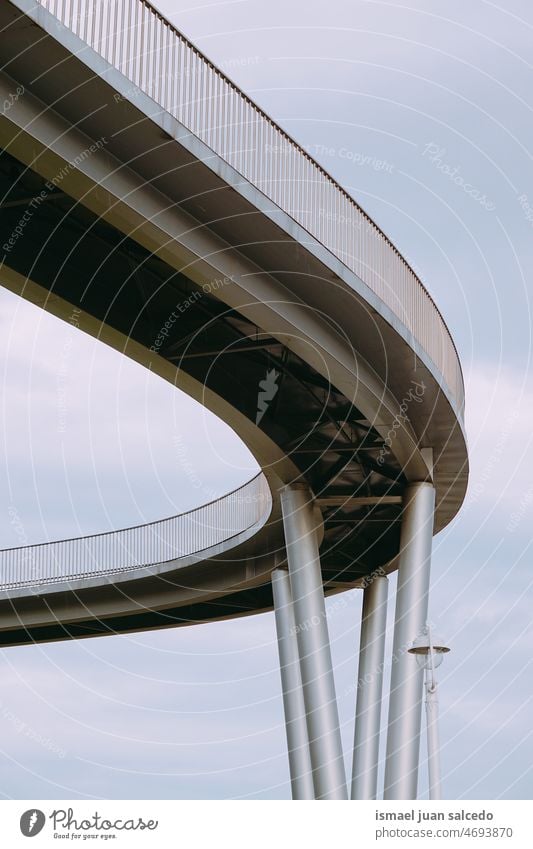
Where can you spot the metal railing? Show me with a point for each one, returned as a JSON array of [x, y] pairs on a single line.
[[137, 40], [129, 549]]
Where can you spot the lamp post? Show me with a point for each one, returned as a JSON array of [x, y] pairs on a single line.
[[429, 652]]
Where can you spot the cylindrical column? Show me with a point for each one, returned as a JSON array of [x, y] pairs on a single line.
[[323, 730], [369, 690], [406, 691], [291, 683], [432, 714]]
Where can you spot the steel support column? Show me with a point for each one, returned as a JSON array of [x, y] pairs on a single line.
[[291, 683], [369, 690], [406, 691], [325, 746]]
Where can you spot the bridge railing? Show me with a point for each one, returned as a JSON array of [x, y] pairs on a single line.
[[144, 545], [137, 40]]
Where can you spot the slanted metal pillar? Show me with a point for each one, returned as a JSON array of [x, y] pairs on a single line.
[[369, 689], [325, 746], [300, 768], [405, 704]]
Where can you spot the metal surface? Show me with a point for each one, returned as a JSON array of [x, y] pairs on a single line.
[[137, 40], [140, 546], [432, 719], [369, 690], [133, 130], [291, 682], [406, 690], [313, 643]]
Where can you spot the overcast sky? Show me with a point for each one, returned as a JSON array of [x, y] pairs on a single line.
[[385, 95]]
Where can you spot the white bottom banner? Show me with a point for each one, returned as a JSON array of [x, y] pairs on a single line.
[[262, 825]]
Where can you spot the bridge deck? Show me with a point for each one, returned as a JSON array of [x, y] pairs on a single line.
[[197, 237]]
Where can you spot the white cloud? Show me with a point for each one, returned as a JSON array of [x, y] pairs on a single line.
[[499, 412]]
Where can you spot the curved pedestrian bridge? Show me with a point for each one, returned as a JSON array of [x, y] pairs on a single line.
[[149, 196], [144, 191], [152, 548]]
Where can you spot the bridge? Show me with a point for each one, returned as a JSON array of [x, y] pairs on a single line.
[[148, 200]]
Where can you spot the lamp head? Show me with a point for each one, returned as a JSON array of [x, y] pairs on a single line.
[[421, 649]]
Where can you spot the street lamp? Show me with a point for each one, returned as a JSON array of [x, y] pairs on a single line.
[[429, 652]]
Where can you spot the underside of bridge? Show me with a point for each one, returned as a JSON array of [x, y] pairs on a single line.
[[72, 251], [72, 254]]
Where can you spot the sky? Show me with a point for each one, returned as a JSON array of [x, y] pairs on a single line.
[[422, 111]]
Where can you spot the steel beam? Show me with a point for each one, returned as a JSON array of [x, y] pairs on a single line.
[[358, 501]]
